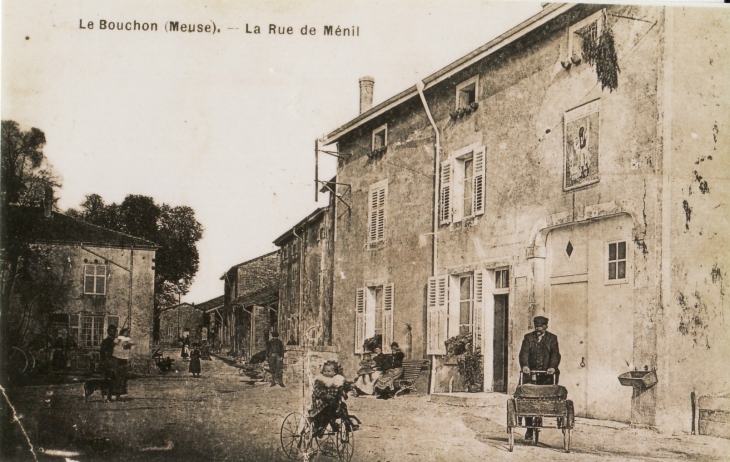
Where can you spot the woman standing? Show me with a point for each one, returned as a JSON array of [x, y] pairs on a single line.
[[384, 386], [121, 353], [195, 367]]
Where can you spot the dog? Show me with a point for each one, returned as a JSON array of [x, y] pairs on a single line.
[[90, 386]]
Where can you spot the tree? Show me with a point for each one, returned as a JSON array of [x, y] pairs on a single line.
[[174, 229], [26, 179]]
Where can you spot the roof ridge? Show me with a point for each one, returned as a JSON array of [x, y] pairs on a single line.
[[106, 229]]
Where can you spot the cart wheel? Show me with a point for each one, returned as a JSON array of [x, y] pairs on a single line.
[[511, 431], [345, 441], [566, 439], [295, 435], [536, 435]]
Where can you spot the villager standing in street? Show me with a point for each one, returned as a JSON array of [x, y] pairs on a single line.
[[122, 353], [539, 352], [195, 366], [108, 361], [275, 357]]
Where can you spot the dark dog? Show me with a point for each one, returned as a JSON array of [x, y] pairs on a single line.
[[93, 385]]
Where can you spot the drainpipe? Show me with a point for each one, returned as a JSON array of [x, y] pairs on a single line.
[[299, 276], [436, 157]]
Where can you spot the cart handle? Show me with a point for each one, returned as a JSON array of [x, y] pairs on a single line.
[[532, 371]]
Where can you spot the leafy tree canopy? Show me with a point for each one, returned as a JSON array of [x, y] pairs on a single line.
[[174, 229]]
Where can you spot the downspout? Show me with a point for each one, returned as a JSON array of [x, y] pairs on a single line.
[[299, 276], [436, 157]]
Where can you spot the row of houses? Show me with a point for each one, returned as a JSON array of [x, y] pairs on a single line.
[[533, 176]]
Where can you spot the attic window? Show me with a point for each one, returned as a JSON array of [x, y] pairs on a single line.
[[582, 35], [466, 93], [379, 141]]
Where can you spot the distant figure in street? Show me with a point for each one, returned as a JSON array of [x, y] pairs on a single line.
[[275, 356], [292, 341], [185, 352], [539, 352], [122, 352], [195, 367], [108, 361]]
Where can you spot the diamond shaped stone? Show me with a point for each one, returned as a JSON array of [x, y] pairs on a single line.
[[569, 249]]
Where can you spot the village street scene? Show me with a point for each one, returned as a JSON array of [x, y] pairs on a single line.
[[519, 253]]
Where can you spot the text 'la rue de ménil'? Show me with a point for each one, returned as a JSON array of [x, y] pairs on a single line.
[[211, 28]]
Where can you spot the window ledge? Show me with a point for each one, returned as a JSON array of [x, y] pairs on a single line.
[[375, 245]]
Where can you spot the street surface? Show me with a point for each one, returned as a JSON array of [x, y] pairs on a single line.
[[222, 417]]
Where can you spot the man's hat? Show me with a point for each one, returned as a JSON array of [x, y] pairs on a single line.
[[540, 321], [394, 344]]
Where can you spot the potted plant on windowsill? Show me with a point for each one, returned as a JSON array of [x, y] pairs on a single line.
[[372, 343]]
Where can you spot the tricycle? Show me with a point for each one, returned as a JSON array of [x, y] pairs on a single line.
[[537, 402]]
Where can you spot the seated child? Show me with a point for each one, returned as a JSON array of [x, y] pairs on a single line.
[[330, 388]]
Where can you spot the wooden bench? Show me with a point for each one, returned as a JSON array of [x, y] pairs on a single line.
[[411, 370]]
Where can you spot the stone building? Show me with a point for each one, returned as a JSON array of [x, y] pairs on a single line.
[[537, 185], [250, 302], [305, 279], [91, 277], [211, 318], [183, 320]]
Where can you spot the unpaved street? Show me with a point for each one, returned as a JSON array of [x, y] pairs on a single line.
[[222, 417]]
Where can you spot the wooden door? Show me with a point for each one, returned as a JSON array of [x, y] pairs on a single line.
[[568, 320]]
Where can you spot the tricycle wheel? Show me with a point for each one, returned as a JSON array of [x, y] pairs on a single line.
[[295, 436], [566, 439], [511, 431]]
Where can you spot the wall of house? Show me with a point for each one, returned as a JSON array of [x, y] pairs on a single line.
[[694, 343], [71, 261], [315, 277], [524, 94]]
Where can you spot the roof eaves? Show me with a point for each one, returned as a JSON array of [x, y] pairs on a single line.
[[309, 218], [548, 13]]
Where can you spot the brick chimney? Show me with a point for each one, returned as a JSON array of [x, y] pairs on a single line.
[[366, 93]]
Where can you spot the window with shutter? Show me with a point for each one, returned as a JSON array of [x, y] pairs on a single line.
[[376, 215], [359, 320], [478, 182], [388, 305], [445, 212], [478, 308], [437, 306]]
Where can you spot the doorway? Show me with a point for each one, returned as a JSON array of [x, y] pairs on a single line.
[[500, 361]]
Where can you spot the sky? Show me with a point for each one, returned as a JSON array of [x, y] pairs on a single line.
[[222, 122]]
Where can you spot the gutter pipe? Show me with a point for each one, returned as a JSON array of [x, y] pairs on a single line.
[[436, 157]]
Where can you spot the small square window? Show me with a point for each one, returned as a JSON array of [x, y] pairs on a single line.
[[501, 279], [380, 138], [617, 261], [466, 93]]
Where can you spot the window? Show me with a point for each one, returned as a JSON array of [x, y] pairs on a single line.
[[92, 331], [617, 261], [95, 279], [73, 326], [581, 35], [374, 306], [466, 93], [462, 185], [171, 332], [376, 211], [380, 137], [501, 279], [455, 306]]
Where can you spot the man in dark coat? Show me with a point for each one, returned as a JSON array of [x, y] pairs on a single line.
[[108, 361], [275, 356], [539, 352]]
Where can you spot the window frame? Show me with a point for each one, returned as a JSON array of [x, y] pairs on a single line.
[[607, 262], [453, 184], [460, 88], [95, 276], [379, 221], [504, 275], [596, 17], [384, 129], [97, 320]]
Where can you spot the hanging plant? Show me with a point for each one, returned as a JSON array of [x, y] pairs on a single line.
[[600, 52], [373, 342]]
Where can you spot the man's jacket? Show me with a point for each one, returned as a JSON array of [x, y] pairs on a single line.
[[275, 347], [540, 355]]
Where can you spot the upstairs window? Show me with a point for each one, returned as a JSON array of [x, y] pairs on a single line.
[[467, 93], [377, 198], [617, 261], [462, 185], [581, 37], [95, 279], [380, 137]]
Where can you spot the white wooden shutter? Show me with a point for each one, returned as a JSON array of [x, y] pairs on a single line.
[[478, 308], [388, 305], [445, 212], [359, 320], [373, 216], [478, 181], [453, 308], [376, 211], [438, 296], [382, 195]]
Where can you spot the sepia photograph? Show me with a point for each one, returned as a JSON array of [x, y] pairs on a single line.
[[418, 230]]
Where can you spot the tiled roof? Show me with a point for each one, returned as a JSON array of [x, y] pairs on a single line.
[[211, 304], [62, 229], [261, 297]]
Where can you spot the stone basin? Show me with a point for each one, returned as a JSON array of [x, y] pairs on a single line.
[[639, 379]]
